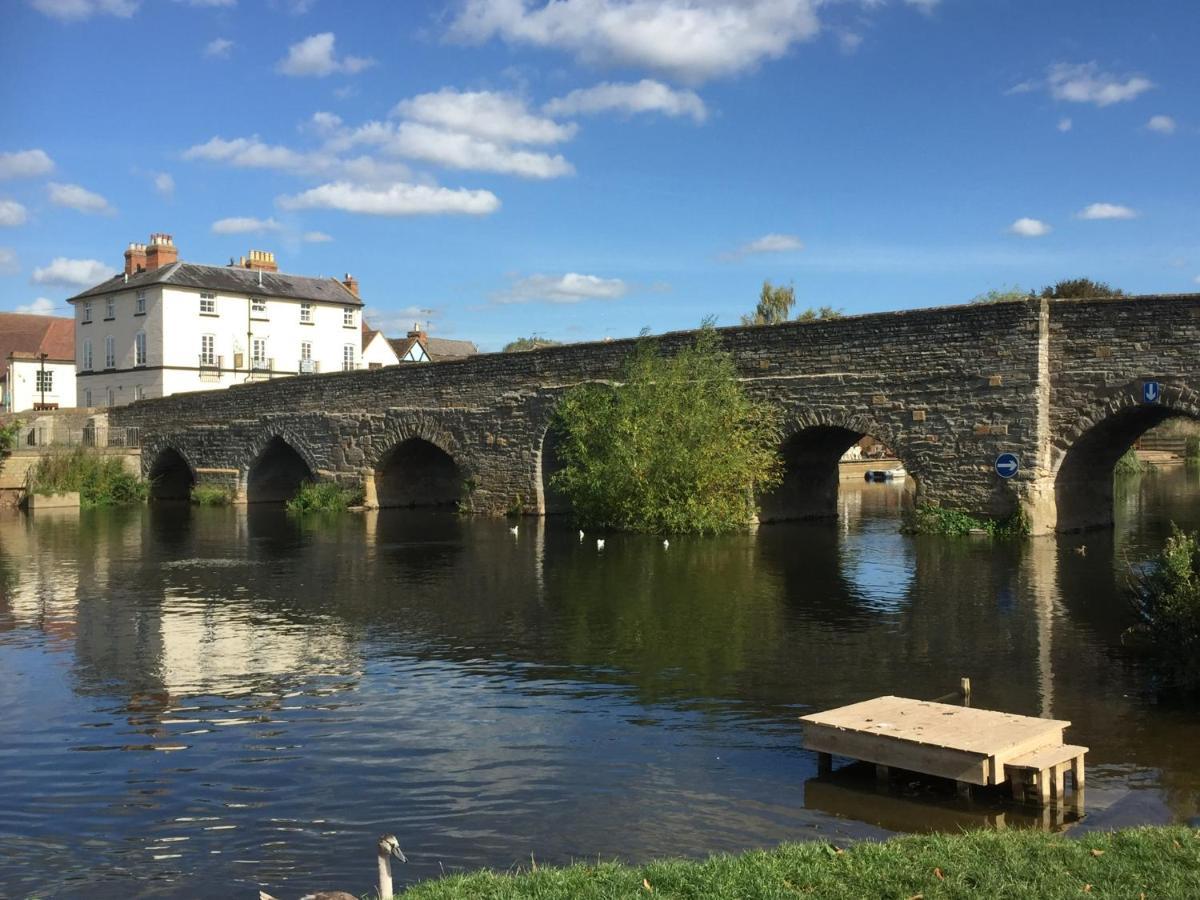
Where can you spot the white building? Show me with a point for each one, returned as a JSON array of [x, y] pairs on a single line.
[[165, 326], [37, 362]]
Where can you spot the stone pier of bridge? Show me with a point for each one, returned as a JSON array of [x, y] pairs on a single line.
[[1060, 385]]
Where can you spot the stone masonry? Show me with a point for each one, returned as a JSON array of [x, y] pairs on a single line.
[[1058, 383]]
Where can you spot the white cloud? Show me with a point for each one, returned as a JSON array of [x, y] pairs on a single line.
[[73, 272], [244, 225], [25, 164], [217, 3], [9, 264], [1161, 124], [1065, 124], [325, 122], [218, 48], [768, 243], [646, 95], [687, 39], [73, 196], [1196, 279], [569, 288], [78, 10], [314, 56], [925, 6], [1027, 227], [42, 306], [164, 184], [12, 214], [1106, 211], [849, 41], [489, 115], [398, 322], [1085, 83], [464, 151], [247, 153], [399, 199], [316, 237]]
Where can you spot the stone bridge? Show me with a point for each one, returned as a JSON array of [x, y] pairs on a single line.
[[1060, 384]]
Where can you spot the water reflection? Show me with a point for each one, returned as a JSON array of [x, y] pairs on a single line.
[[215, 699]]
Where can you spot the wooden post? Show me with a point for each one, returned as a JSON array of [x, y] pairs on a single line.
[[1058, 773], [1043, 785], [1077, 773], [964, 687]]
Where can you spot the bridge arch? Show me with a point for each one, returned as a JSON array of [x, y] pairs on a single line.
[[418, 466], [550, 502], [277, 469], [1084, 454], [170, 474], [812, 447]]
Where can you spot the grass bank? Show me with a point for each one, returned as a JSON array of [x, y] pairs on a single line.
[[323, 496], [953, 522], [99, 479], [1154, 862]]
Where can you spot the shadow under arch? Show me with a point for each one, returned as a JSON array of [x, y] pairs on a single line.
[[551, 501], [418, 473], [811, 472], [1083, 479], [170, 476], [276, 473]]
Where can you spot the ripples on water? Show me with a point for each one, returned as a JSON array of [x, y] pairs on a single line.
[[205, 701]]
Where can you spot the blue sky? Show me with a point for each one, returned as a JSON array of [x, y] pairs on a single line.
[[496, 168]]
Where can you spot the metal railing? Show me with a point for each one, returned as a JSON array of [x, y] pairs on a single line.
[[87, 436], [308, 367]]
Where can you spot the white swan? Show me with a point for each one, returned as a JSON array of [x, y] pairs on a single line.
[[388, 847], [599, 543], [666, 544], [513, 530]]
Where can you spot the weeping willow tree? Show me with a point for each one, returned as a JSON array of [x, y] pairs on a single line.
[[676, 446]]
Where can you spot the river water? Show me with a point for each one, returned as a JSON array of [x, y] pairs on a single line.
[[198, 702]]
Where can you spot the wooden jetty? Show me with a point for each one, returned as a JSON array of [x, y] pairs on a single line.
[[970, 746]]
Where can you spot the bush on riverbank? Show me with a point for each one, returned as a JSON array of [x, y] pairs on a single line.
[[1128, 464], [1151, 862], [99, 479], [1166, 601], [955, 523], [323, 496], [1191, 448], [211, 495], [8, 435], [676, 446]]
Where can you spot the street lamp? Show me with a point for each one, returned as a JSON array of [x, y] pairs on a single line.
[[42, 379]]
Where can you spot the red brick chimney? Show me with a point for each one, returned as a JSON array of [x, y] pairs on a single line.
[[351, 284], [161, 252], [418, 333], [135, 259], [263, 260]]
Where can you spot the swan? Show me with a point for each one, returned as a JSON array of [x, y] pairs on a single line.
[[666, 544], [599, 543], [1081, 549], [513, 530], [388, 847], [581, 536]]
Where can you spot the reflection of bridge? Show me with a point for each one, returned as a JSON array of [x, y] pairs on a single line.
[[1058, 383]]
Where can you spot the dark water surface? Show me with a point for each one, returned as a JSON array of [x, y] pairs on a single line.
[[196, 702]]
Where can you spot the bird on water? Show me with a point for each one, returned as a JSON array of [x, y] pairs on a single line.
[[599, 543], [513, 530], [387, 847]]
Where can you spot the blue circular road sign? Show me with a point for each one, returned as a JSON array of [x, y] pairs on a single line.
[[1007, 465]]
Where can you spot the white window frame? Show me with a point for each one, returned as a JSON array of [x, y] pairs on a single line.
[[86, 356], [208, 349], [44, 381], [208, 304], [348, 359], [112, 397], [306, 313], [141, 301], [138, 393], [258, 352], [110, 352], [139, 349], [87, 396], [110, 308], [87, 310], [258, 306], [348, 317]]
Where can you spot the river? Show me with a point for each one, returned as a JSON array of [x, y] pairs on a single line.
[[199, 702]]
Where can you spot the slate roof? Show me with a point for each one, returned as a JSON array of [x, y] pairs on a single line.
[[29, 336], [435, 348], [230, 280]]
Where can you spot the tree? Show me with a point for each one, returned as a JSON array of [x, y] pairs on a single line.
[[821, 312], [774, 305], [533, 342], [1080, 288], [1016, 292], [675, 445]]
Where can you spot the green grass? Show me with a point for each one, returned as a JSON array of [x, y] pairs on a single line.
[[211, 495], [1156, 862], [99, 479], [953, 522], [323, 496]]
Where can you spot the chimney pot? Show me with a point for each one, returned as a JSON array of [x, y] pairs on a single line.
[[351, 284]]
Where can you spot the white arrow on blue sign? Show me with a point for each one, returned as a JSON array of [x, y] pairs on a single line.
[[1151, 391], [1007, 465]]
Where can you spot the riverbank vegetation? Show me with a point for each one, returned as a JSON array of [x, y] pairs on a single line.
[[954, 523], [1166, 600], [323, 496], [677, 446], [1148, 862], [211, 495], [8, 435], [1128, 464], [99, 479]]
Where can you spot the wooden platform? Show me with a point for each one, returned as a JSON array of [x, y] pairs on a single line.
[[970, 746]]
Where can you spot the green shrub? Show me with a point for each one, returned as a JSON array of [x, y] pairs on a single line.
[[1166, 600], [1191, 447], [1128, 464], [675, 446], [100, 480], [211, 495], [324, 496], [954, 522], [8, 435]]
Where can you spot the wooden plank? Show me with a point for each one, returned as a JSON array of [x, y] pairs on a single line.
[[888, 751], [1045, 757], [1077, 773]]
